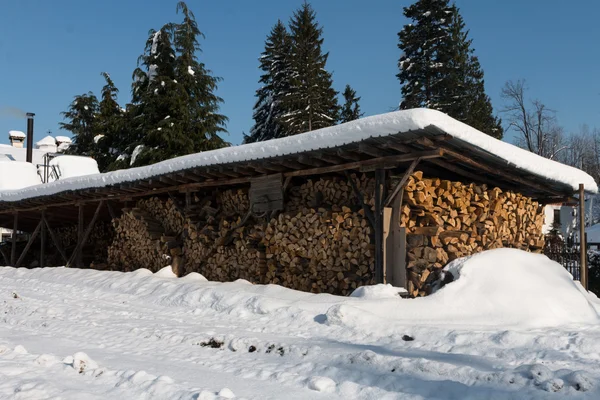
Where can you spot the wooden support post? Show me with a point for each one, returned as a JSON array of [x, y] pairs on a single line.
[[43, 241], [78, 261], [28, 245], [82, 240], [583, 273], [13, 250], [378, 218], [55, 240], [402, 182], [111, 210], [395, 244]]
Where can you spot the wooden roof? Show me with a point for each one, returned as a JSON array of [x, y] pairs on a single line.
[[441, 155]]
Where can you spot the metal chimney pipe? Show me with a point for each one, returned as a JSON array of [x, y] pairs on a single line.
[[29, 158]]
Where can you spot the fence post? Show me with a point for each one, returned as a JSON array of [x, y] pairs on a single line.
[[582, 243]]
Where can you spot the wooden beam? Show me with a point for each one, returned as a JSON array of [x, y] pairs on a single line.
[[348, 155], [583, 273], [448, 166], [370, 150], [225, 172], [499, 172], [257, 168], [13, 250], [379, 192], [82, 240], [80, 223], [383, 162], [306, 160], [402, 182], [242, 171], [5, 257], [43, 241], [28, 245], [55, 240], [329, 158], [111, 210]]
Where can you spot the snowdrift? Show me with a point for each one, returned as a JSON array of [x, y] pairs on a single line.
[[500, 288]]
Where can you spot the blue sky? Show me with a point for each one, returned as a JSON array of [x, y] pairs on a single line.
[[53, 50]]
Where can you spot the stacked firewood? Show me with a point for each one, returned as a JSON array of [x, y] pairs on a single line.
[[137, 242], [166, 212], [446, 220], [233, 202], [94, 251], [330, 191], [320, 250]]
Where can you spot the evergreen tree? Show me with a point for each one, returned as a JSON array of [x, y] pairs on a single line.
[[438, 68], [160, 104], [467, 100], [275, 64], [81, 123], [311, 102], [110, 125], [201, 122], [351, 109], [425, 47]]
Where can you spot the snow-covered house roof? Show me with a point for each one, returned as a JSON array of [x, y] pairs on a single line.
[[63, 139], [46, 141], [386, 140], [16, 134], [20, 153]]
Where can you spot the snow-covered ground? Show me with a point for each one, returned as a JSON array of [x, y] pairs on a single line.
[[512, 325]]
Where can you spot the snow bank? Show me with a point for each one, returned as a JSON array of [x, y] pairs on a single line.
[[502, 287], [72, 166], [354, 131], [17, 175], [380, 291]]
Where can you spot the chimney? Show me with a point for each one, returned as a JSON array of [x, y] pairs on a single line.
[[29, 158], [16, 138]]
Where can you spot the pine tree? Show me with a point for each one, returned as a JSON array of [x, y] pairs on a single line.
[[110, 125], [201, 122], [275, 64], [161, 107], [311, 102], [351, 109], [438, 68], [81, 123], [425, 58], [467, 100]]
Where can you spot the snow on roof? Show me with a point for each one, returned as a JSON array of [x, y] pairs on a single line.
[[69, 166], [16, 134], [46, 141], [63, 139], [376, 126], [17, 175]]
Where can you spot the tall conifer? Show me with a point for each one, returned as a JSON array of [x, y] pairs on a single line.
[[351, 109], [438, 68], [275, 81], [311, 102], [81, 123]]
